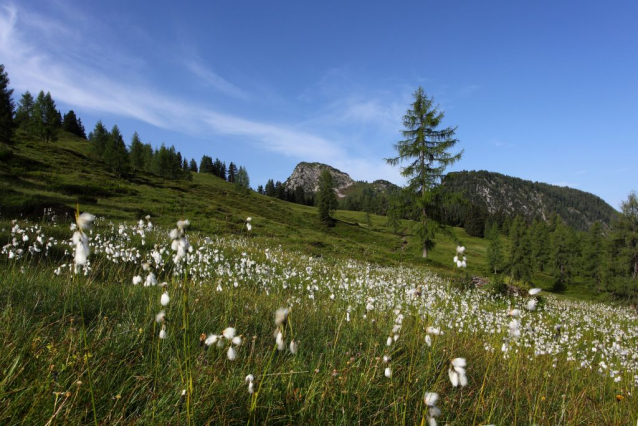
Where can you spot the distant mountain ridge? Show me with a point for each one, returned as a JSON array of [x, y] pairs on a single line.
[[492, 192], [496, 192]]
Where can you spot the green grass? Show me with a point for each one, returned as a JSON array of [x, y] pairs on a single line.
[[337, 377]]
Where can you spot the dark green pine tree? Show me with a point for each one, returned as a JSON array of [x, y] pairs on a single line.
[[594, 255], [426, 150], [115, 155], [232, 171], [25, 113], [270, 188], [136, 153], [242, 181], [326, 198], [260, 189], [625, 245], [7, 108], [206, 164], [495, 256], [561, 255], [300, 195], [70, 124], [193, 165], [520, 262], [52, 119], [99, 139], [394, 212], [540, 244]]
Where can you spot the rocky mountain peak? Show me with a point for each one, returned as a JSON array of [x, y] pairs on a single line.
[[307, 175]]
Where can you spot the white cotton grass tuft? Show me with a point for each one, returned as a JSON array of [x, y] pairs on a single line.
[[160, 317], [232, 353], [428, 340], [137, 280], [293, 347], [236, 340], [534, 291], [162, 333], [388, 372], [531, 305], [165, 298], [250, 379], [281, 344], [456, 372], [460, 250], [211, 339], [430, 398], [281, 316], [229, 333], [85, 221]]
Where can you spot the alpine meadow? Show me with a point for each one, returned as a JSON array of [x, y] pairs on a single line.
[[200, 282]]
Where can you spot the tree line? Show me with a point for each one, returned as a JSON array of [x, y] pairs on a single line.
[[605, 257]]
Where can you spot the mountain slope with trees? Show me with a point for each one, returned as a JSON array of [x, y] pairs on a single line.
[[494, 194]]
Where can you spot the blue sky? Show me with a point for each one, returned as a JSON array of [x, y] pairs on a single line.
[[541, 90]]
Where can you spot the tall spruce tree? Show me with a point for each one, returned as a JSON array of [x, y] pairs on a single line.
[[242, 181], [625, 247], [561, 256], [495, 257], [193, 165], [594, 255], [136, 153], [115, 155], [427, 151], [326, 197], [232, 171], [540, 244], [520, 265], [99, 139], [24, 113], [6, 108]]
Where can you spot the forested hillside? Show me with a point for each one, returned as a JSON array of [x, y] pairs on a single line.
[[497, 194]]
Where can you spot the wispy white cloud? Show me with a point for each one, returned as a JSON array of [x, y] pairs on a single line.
[[84, 85], [214, 80]]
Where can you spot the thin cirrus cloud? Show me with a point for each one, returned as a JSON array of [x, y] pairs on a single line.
[[84, 86], [214, 80]]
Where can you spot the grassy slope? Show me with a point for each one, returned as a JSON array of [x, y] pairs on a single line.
[[40, 175]]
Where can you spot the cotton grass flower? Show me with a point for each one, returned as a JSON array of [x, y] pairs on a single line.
[[388, 372], [430, 399], [534, 291], [531, 304], [293, 347], [250, 379], [456, 372], [137, 280], [165, 299]]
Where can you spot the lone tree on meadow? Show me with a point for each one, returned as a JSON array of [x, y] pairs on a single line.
[[326, 197], [426, 150]]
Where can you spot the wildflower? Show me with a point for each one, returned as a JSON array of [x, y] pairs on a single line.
[[229, 333], [250, 379], [430, 399], [457, 372], [389, 341], [211, 339], [388, 372], [281, 316], [293, 347], [534, 291], [531, 305], [84, 221], [433, 330], [232, 353], [281, 344], [460, 250], [162, 334], [160, 317], [236, 340], [137, 279], [428, 340], [165, 298]]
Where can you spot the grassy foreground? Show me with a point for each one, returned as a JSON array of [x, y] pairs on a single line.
[[85, 348]]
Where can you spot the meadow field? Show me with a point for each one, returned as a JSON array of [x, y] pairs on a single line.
[[181, 326]]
